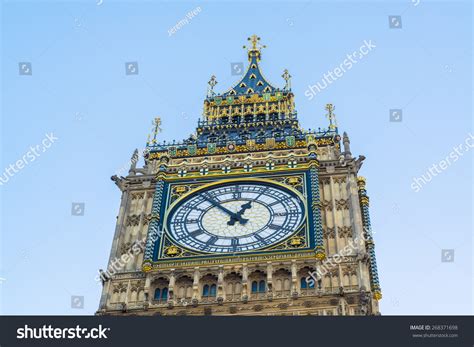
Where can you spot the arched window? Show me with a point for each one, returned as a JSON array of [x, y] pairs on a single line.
[[304, 284], [261, 286], [205, 290], [213, 290], [254, 287], [157, 294], [164, 294]]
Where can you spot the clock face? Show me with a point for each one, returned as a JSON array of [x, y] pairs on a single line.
[[235, 217]]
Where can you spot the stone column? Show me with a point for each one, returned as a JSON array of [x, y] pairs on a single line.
[[269, 276], [316, 204], [146, 289], [347, 146], [119, 226], [220, 282], [197, 275], [171, 286], [333, 202], [339, 268], [104, 299], [154, 233], [355, 214], [294, 277], [369, 242], [245, 280], [127, 295]]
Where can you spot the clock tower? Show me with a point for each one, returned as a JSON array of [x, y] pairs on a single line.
[[251, 215]]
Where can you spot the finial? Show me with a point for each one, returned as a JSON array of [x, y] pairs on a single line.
[[212, 83], [347, 146], [255, 50], [155, 130], [133, 161], [331, 116], [287, 77]]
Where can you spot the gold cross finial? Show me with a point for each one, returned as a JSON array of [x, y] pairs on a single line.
[[254, 39], [156, 129], [287, 77], [157, 124], [256, 47], [331, 116], [212, 83]]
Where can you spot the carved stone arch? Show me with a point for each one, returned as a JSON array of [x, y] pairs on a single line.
[[160, 279], [183, 277], [281, 279], [160, 288], [208, 273], [232, 275], [283, 266], [208, 287], [233, 271], [258, 283], [183, 287], [233, 286], [257, 272], [282, 271], [305, 270]]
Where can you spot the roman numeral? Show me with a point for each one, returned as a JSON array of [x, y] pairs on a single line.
[[274, 226], [195, 233], [235, 243], [274, 203], [212, 240]]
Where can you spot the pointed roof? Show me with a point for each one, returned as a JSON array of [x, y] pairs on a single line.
[[253, 80], [252, 94]]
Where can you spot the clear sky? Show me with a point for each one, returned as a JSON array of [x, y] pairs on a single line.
[[78, 91]]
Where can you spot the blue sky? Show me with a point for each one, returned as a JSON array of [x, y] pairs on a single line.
[[78, 90]]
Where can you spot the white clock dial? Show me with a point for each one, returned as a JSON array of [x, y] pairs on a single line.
[[235, 217]]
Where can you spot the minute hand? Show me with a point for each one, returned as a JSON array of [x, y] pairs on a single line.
[[229, 212]]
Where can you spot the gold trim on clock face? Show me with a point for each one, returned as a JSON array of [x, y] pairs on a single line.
[[234, 216]]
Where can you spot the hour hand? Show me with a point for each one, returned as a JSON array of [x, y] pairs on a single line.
[[239, 214]]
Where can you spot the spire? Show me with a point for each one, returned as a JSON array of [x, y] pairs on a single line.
[[133, 161], [252, 94], [347, 146], [253, 81]]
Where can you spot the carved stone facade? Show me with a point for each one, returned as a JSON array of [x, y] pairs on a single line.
[[326, 267]]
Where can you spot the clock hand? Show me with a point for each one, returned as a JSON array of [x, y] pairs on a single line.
[[233, 216], [239, 214], [214, 203]]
